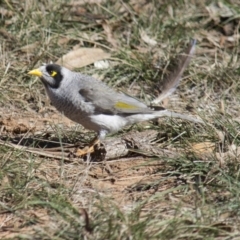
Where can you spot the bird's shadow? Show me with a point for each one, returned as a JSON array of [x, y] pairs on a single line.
[[38, 142], [54, 146]]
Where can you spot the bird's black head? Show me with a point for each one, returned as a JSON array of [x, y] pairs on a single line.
[[50, 74]]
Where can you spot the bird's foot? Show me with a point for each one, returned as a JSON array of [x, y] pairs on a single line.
[[83, 152], [88, 149], [95, 150]]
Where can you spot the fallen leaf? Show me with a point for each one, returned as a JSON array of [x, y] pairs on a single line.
[[203, 147], [219, 10], [109, 33], [147, 39], [82, 57], [30, 48], [141, 6], [63, 40]]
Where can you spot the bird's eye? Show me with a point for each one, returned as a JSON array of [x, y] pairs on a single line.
[[53, 73]]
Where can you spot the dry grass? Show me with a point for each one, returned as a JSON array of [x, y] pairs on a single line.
[[192, 196]]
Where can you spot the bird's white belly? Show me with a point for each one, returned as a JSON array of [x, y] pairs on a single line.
[[111, 123]]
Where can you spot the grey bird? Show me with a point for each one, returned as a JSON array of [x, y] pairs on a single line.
[[97, 107]]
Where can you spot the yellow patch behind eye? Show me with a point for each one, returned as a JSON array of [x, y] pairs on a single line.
[[123, 105], [53, 73]]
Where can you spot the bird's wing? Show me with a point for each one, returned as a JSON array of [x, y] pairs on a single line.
[[106, 100], [128, 104]]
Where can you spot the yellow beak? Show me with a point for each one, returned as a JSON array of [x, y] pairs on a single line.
[[36, 72]]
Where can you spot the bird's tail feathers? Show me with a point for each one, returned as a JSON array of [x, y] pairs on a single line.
[[169, 84], [168, 113]]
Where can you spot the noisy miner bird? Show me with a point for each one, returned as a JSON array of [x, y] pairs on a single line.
[[96, 106]]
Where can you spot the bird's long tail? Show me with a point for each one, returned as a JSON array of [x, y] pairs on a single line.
[[168, 113]]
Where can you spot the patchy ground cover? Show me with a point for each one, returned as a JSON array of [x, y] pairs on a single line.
[[178, 180]]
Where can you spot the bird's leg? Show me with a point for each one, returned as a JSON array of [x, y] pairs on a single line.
[[94, 149], [88, 149]]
